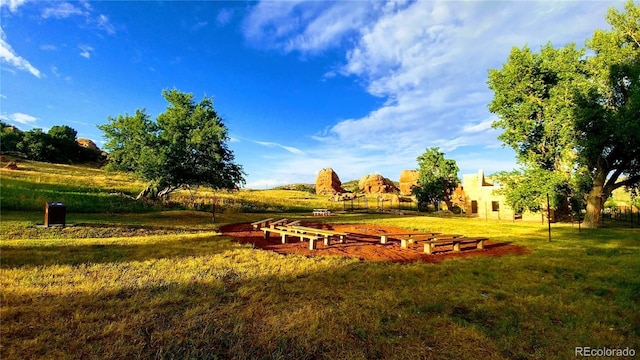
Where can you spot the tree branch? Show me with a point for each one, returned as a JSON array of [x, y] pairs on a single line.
[[626, 182]]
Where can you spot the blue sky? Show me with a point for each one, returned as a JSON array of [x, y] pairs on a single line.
[[362, 87]]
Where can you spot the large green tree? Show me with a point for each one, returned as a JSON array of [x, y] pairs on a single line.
[[185, 146], [437, 178], [567, 112]]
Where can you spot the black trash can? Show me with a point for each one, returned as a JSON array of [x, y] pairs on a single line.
[[55, 213]]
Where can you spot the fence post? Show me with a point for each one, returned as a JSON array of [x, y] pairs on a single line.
[[549, 216]]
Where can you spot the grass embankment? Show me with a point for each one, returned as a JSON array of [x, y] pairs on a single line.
[[183, 291], [80, 188]]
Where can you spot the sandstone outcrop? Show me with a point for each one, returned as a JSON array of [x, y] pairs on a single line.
[[86, 143], [408, 179], [376, 184], [328, 182]]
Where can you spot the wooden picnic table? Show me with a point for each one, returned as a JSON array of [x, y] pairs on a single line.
[[321, 212]]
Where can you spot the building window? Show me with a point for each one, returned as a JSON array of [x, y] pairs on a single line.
[[474, 207], [495, 206]]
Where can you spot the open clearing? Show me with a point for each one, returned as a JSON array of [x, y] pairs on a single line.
[[367, 246]]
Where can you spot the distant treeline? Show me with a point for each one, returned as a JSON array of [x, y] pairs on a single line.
[[58, 145]]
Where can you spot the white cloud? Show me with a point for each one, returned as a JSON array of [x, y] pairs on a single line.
[[8, 55], [304, 26], [86, 51], [199, 25], [290, 149], [477, 127], [102, 22], [427, 60], [20, 118], [13, 5], [63, 10], [224, 17]]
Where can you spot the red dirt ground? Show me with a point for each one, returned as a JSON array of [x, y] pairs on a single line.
[[363, 242]]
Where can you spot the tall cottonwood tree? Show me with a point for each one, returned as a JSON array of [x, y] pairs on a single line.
[[578, 115], [185, 146], [437, 178]]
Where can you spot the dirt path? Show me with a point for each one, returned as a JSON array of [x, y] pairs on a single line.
[[364, 243]]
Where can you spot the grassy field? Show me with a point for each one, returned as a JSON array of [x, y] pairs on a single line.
[[165, 284]]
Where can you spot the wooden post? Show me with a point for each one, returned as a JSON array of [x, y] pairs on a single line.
[[480, 244], [403, 243], [326, 240], [456, 245], [427, 248], [213, 208], [284, 238], [549, 216], [312, 244], [383, 239]]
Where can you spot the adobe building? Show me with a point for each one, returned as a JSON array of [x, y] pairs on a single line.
[[480, 200]]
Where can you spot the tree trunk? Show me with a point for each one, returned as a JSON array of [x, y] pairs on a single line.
[[595, 201], [447, 201]]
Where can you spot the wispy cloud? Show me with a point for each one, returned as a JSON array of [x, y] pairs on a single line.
[[477, 127], [427, 60], [19, 118], [9, 56], [224, 17], [199, 25], [290, 149], [13, 5], [102, 22], [304, 26], [63, 10], [82, 9], [48, 47], [86, 51]]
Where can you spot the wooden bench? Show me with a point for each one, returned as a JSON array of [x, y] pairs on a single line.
[[411, 237], [325, 233], [258, 224], [429, 246], [284, 233], [273, 224], [293, 223]]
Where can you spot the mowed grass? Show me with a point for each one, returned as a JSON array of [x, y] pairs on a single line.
[[166, 284], [199, 295]]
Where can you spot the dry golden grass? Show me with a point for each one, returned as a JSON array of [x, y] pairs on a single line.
[[200, 295], [98, 289]]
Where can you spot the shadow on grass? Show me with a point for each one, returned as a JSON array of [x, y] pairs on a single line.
[[32, 256], [355, 310]]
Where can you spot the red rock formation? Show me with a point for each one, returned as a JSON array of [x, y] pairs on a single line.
[[376, 184], [328, 182], [408, 179], [86, 143]]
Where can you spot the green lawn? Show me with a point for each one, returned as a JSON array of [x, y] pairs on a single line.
[[164, 284], [190, 293]]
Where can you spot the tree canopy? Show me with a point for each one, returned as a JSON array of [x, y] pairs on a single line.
[[185, 146], [58, 145], [567, 112], [437, 178]]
